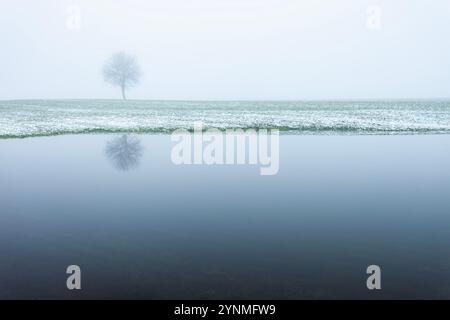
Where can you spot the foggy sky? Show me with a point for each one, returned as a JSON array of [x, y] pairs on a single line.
[[228, 49]]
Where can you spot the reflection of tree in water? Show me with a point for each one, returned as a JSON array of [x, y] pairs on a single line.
[[124, 152]]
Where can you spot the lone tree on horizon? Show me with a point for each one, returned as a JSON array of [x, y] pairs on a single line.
[[123, 71]]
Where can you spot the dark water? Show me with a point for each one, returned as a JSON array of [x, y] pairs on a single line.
[[150, 229]]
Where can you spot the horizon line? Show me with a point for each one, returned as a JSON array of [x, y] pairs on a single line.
[[237, 100]]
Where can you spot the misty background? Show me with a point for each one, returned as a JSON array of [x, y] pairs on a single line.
[[228, 49]]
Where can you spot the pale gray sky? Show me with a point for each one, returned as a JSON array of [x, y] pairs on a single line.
[[228, 49]]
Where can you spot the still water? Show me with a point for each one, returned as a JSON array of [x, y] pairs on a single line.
[[141, 227]]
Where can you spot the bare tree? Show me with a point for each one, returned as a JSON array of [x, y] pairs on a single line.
[[122, 70], [124, 152]]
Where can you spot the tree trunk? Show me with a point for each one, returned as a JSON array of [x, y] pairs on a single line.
[[123, 93]]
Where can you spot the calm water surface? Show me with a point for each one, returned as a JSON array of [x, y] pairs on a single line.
[[145, 228]]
